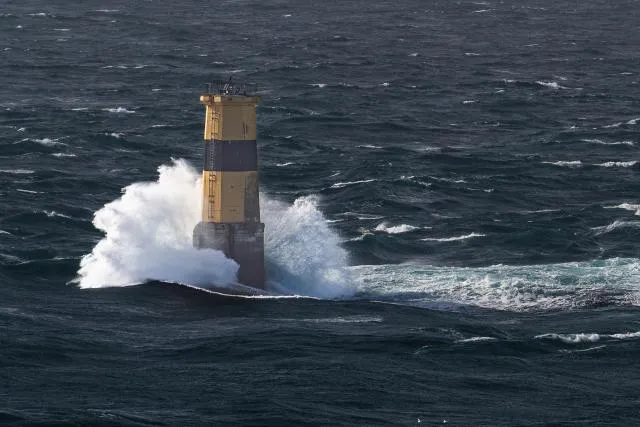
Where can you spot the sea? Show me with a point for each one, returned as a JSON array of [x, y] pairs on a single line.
[[450, 190]]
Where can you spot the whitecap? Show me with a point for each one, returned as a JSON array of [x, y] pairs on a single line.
[[64, 155], [22, 190], [344, 184], [552, 85], [395, 229], [48, 142], [373, 147], [360, 216], [285, 164], [571, 338], [118, 110], [475, 339], [633, 121], [337, 319], [453, 239], [573, 164], [469, 101], [17, 171], [540, 211], [614, 125], [615, 225], [52, 214], [626, 335], [588, 337], [601, 142], [116, 135], [618, 164], [626, 206], [451, 180]]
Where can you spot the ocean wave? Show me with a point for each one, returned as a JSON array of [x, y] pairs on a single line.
[[570, 338], [580, 338], [396, 229], [573, 164], [626, 206], [615, 225], [454, 238], [617, 164], [475, 339], [64, 155], [17, 171], [613, 125], [347, 183], [52, 214], [337, 319], [601, 142], [118, 110], [47, 142], [360, 216], [552, 85], [451, 180]]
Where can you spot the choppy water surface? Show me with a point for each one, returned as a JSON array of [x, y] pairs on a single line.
[[450, 191]]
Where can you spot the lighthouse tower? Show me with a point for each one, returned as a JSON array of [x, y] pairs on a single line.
[[230, 203]]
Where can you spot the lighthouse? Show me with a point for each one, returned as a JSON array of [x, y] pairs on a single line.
[[230, 219]]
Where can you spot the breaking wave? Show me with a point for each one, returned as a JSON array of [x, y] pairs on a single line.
[[148, 236], [618, 164], [615, 225], [588, 337], [395, 229], [569, 164], [453, 238]]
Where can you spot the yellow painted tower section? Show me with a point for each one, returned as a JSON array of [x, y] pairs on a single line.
[[228, 118], [230, 194]]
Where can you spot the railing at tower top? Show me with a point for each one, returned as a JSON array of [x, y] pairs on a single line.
[[228, 87]]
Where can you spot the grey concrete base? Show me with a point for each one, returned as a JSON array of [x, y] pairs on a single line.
[[243, 242]]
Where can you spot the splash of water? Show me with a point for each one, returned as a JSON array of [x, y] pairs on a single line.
[[148, 236]]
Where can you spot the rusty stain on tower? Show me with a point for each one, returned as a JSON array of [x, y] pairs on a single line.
[[230, 194]]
